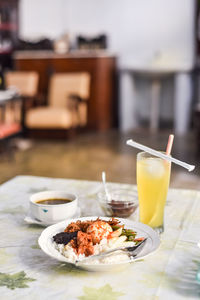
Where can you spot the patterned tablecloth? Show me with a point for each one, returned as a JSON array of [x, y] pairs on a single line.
[[28, 273]]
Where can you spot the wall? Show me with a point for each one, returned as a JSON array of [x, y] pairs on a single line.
[[144, 32], [41, 18], [152, 34]]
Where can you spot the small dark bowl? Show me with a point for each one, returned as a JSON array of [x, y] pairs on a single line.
[[122, 204]]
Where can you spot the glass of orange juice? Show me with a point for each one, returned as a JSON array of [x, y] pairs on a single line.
[[153, 176]]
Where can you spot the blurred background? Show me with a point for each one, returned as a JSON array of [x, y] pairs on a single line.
[[78, 78]]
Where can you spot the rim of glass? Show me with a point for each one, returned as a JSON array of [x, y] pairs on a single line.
[[133, 193], [115, 191], [151, 155]]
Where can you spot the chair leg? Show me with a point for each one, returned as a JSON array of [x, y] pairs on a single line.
[[7, 151]]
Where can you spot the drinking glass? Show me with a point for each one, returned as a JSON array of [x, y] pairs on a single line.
[[153, 176]]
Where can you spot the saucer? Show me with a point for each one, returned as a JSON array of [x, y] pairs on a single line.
[[31, 220]]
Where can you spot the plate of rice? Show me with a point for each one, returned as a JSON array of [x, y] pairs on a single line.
[[79, 241]]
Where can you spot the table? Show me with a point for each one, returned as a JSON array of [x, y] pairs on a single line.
[[128, 97], [28, 273]]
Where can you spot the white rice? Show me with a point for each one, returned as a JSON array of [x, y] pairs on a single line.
[[103, 246]]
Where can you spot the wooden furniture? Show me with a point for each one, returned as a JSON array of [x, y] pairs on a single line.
[[10, 116], [102, 106], [26, 83], [67, 103]]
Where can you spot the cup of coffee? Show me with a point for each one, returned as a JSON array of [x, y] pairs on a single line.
[[53, 206]]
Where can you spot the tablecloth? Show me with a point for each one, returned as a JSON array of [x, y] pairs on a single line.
[[28, 273]]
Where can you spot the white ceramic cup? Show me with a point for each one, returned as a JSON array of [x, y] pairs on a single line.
[[53, 213]]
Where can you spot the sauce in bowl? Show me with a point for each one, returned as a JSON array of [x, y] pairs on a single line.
[[121, 208], [53, 201], [53, 206]]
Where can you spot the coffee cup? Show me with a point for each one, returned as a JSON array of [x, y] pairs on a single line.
[[53, 206]]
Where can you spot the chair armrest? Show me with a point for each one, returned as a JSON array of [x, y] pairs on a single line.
[[30, 102], [77, 98], [74, 100], [40, 100]]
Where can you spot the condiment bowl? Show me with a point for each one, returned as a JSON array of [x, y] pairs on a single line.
[[123, 202], [55, 212]]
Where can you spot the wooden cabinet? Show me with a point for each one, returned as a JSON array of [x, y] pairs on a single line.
[[102, 105]]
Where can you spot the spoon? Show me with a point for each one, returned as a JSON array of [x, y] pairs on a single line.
[[131, 251], [108, 196]]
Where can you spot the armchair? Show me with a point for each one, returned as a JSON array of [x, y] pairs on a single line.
[[67, 103]]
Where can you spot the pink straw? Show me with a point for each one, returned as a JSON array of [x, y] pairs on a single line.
[[169, 144], [160, 154]]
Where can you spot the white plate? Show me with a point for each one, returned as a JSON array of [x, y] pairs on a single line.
[[31, 220], [152, 243]]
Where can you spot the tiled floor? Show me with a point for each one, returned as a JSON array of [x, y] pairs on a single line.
[[86, 156]]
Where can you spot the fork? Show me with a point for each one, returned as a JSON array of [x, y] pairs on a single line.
[[131, 251]]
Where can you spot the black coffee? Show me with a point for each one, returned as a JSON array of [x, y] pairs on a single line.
[[53, 201]]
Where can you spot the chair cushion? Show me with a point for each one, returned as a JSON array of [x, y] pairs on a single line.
[[7, 130], [50, 117]]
